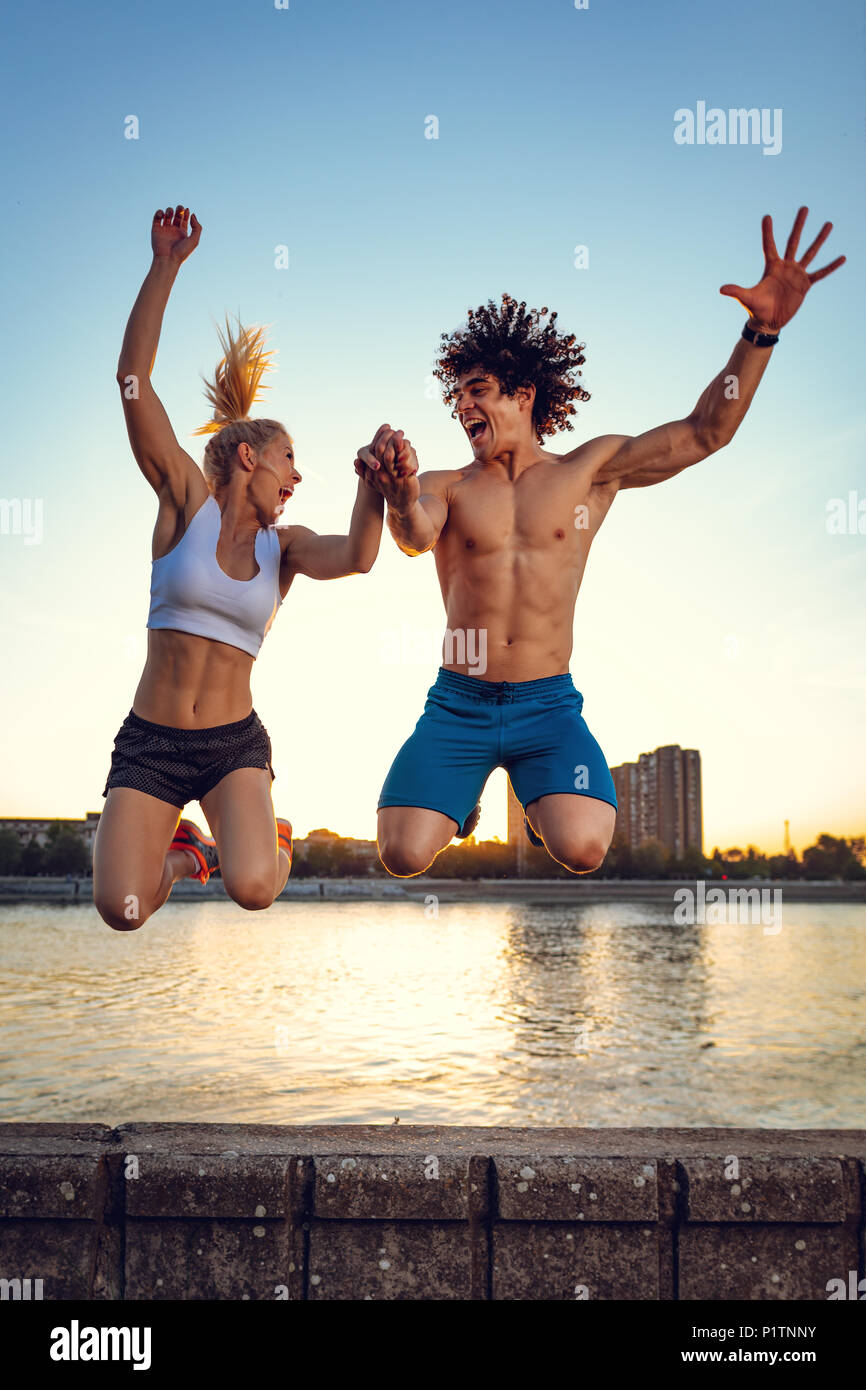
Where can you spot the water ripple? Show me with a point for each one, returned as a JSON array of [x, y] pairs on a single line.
[[490, 1014]]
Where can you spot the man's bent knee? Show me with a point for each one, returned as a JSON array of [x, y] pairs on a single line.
[[403, 859], [579, 856]]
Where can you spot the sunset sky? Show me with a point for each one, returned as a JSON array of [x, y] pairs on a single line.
[[717, 611]]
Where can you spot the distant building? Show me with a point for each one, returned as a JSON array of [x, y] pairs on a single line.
[[516, 832], [365, 852], [628, 817], [659, 799], [37, 828]]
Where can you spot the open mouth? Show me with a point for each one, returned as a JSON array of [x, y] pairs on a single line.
[[475, 429]]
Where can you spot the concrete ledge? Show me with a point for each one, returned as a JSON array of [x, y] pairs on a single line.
[[369, 1212]]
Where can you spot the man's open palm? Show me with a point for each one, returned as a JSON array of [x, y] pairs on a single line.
[[785, 282]]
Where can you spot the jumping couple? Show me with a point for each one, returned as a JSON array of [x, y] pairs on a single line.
[[510, 530]]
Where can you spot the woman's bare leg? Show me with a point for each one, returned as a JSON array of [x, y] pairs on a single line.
[[133, 870], [240, 813]]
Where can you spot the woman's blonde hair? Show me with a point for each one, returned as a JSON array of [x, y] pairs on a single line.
[[232, 393]]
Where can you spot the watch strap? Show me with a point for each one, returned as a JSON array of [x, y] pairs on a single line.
[[757, 339]]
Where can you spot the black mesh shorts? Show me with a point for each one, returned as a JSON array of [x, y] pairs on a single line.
[[181, 765]]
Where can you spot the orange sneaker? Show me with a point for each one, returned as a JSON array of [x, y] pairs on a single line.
[[284, 837], [188, 836]]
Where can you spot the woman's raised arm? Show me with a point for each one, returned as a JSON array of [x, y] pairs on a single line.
[[153, 441]]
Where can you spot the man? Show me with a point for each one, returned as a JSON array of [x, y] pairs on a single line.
[[511, 533]]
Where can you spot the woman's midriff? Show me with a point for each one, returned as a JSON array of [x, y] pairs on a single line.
[[192, 682]]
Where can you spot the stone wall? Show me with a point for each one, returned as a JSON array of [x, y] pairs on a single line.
[[186, 1211]]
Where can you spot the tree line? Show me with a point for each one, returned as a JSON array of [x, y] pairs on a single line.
[[330, 856], [65, 853]]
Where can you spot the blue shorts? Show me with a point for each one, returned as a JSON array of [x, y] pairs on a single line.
[[534, 729]]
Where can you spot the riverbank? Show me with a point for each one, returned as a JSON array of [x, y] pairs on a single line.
[[65, 892]]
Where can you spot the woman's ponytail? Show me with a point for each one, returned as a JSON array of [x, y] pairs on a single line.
[[232, 394]]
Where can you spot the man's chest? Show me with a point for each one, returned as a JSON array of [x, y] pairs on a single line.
[[550, 512]]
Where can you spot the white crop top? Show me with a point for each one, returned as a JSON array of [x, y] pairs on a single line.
[[190, 592]]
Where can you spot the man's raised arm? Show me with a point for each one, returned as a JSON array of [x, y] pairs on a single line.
[[643, 459], [416, 510]]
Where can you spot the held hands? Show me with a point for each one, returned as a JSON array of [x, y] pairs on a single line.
[[170, 234], [390, 466], [785, 282]]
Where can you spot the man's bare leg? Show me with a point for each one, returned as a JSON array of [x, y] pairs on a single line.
[[410, 837], [576, 830]]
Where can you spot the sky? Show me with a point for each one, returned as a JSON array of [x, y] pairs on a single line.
[[718, 611]]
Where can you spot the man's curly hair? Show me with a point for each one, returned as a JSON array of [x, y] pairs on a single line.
[[509, 342]]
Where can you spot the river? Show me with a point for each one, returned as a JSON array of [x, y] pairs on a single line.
[[475, 1013]]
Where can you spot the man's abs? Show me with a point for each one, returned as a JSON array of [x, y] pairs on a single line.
[[509, 617], [510, 562]]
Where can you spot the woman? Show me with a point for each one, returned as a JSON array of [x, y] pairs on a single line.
[[220, 571]]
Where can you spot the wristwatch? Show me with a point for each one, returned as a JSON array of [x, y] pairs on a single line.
[[757, 339]]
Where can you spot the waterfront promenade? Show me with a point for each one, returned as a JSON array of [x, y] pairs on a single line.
[[449, 890]]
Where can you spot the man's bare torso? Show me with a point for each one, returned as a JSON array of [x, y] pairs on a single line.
[[510, 561]]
